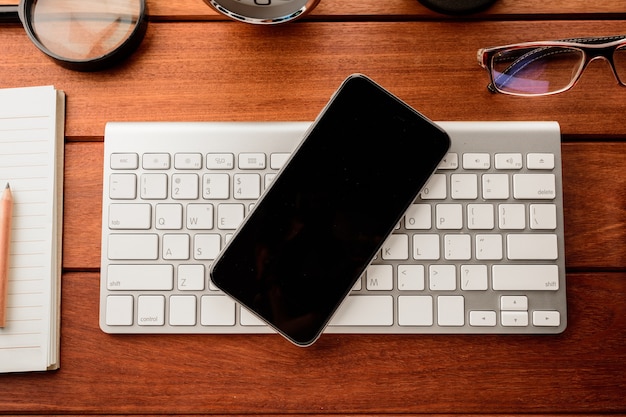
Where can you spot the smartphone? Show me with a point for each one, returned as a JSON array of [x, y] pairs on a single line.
[[330, 209]]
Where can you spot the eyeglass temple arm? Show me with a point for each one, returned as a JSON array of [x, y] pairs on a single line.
[[8, 14]]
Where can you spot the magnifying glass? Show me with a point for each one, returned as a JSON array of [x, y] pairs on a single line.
[[82, 35]]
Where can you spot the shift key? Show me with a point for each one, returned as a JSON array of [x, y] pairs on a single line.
[[140, 277], [525, 277]]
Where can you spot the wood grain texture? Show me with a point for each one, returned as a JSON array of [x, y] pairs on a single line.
[[194, 65], [229, 71], [572, 373], [198, 9]]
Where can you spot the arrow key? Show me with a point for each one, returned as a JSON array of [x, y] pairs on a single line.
[[546, 318], [514, 318], [482, 318], [514, 302]]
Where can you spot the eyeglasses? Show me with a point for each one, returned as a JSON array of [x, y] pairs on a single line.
[[543, 68]]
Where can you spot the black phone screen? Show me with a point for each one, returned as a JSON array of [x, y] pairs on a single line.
[[330, 209]]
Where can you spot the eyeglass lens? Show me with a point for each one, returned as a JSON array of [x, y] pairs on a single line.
[[83, 29], [544, 70]]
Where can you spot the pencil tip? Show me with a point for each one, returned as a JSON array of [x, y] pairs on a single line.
[[8, 185]]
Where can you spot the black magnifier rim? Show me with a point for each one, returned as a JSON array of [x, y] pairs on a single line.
[[93, 64]]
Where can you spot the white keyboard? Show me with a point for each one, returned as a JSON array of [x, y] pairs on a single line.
[[480, 251]]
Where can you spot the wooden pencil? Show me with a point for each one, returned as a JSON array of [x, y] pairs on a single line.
[[6, 214]]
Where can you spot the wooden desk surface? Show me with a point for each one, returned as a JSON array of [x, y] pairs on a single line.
[[194, 65]]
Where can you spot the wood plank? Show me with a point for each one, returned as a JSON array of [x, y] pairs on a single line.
[[198, 9], [580, 371], [594, 202], [226, 71]]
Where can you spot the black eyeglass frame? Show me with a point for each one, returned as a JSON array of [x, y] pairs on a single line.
[[591, 49]]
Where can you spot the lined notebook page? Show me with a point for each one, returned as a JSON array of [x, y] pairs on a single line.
[[31, 160]]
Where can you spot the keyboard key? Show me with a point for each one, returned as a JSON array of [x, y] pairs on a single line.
[[277, 160], [151, 310], [217, 310], [252, 160], [396, 247], [540, 161], [532, 246], [133, 246], [543, 216], [435, 188], [495, 186], [418, 216], [140, 277], [185, 186], [514, 318], [476, 161], [119, 310], [450, 161], [482, 318], [169, 216], [379, 277], [176, 247], [480, 216], [451, 310], [512, 216], [489, 247], [464, 186], [206, 246], [442, 277], [364, 310], [154, 186], [199, 216], [182, 310], [534, 186], [425, 247], [546, 318], [130, 216], [124, 161], [449, 216], [155, 161], [247, 186], [508, 161], [514, 302], [415, 310], [474, 278], [229, 216], [250, 319], [122, 186], [188, 161], [190, 277], [525, 277], [457, 247], [220, 161], [411, 277], [215, 186]]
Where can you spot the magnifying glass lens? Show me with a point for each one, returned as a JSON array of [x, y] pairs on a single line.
[[83, 29]]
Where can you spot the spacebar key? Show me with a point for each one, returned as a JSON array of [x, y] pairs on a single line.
[[140, 277], [364, 310]]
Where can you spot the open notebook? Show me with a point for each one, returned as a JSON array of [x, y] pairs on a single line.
[[31, 160]]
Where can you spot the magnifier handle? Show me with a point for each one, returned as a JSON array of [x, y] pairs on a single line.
[[8, 13]]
